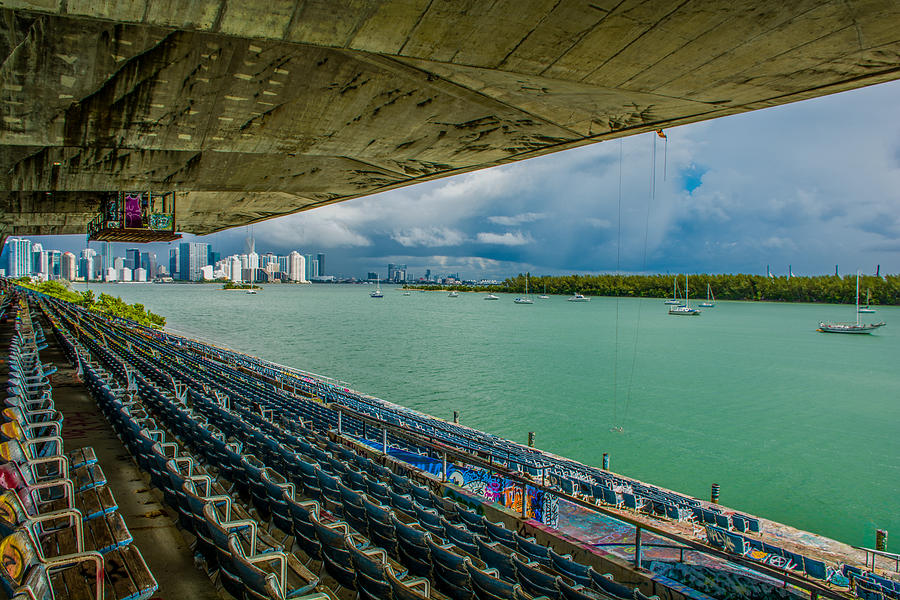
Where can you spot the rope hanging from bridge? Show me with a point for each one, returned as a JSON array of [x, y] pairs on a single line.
[[637, 327]]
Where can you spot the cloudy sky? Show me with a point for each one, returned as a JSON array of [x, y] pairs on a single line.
[[809, 184]]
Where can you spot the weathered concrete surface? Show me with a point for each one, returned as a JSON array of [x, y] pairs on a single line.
[[256, 109]]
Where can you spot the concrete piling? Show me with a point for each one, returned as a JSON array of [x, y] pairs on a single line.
[[881, 539], [456, 416], [531, 439], [606, 461], [714, 494]]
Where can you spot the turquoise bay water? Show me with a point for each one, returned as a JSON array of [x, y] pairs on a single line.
[[796, 426]]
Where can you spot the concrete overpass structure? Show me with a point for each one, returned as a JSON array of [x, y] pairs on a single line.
[[250, 110]]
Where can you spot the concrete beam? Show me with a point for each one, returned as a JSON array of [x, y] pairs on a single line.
[[257, 109]]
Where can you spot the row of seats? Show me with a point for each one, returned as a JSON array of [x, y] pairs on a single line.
[[871, 586], [61, 534], [282, 465], [251, 563]]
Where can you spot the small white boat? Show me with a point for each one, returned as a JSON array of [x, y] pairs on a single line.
[[867, 308], [251, 291], [674, 301], [407, 294], [579, 298], [544, 296], [685, 309], [376, 293], [453, 294], [491, 297], [524, 299], [710, 299]]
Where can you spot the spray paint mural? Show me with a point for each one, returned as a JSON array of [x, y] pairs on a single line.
[[539, 505]]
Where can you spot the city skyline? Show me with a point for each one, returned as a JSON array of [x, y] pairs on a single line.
[[186, 261]]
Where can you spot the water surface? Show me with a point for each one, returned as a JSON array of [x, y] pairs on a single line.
[[796, 426]]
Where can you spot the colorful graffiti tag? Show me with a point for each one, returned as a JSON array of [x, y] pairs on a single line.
[[539, 505]]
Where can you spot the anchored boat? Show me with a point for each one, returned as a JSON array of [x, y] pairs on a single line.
[[685, 309], [710, 298], [524, 299], [836, 327]]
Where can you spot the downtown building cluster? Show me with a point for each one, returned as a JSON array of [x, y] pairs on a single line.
[[188, 261]]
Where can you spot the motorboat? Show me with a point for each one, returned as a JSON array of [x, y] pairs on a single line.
[[453, 294], [491, 297], [579, 298]]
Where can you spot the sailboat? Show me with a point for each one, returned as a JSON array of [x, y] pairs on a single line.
[[684, 309], [866, 308], [710, 298], [674, 301], [376, 293], [832, 327], [524, 299], [544, 296]]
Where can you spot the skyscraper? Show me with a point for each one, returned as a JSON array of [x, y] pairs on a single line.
[[148, 262], [106, 257], [54, 264], [309, 265], [320, 258], [67, 266], [235, 268], [38, 259], [296, 267], [396, 273], [192, 257], [20, 259], [173, 263], [133, 258]]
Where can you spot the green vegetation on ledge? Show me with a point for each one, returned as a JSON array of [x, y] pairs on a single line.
[[109, 305]]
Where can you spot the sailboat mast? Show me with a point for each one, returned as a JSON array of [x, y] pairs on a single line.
[[857, 297], [687, 292]]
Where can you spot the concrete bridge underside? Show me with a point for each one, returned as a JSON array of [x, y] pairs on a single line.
[[255, 109]]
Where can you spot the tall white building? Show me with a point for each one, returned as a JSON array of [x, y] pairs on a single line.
[[206, 273], [297, 267], [20, 259], [67, 268], [123, 274], [140, 274], [235, 268]]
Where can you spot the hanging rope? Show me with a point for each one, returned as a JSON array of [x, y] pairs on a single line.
[[637, 327], [618, 266]]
